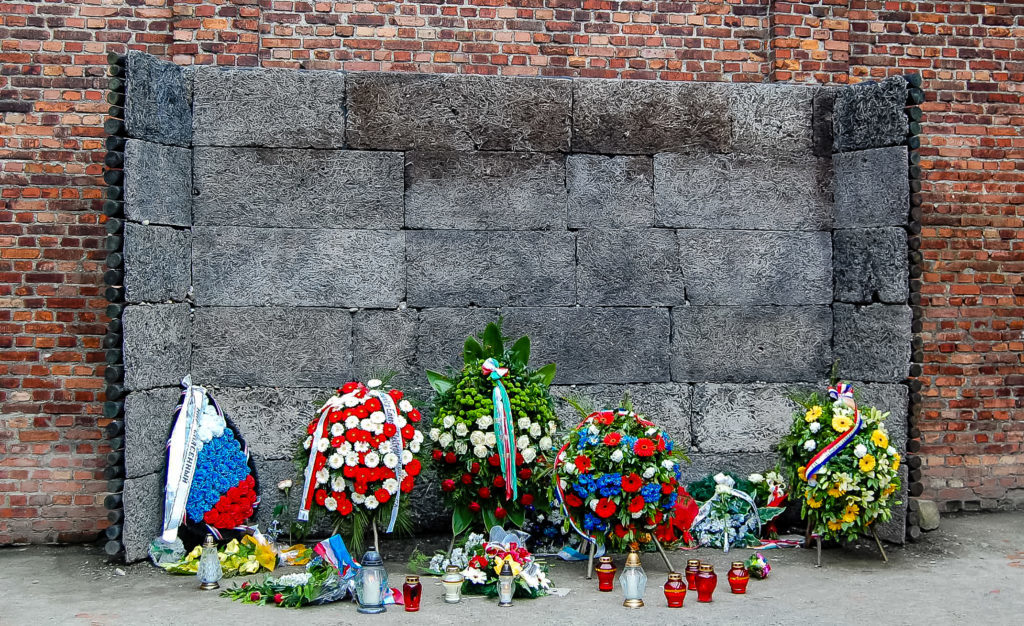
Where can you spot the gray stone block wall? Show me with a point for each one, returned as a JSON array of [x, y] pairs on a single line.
[[698, 245]]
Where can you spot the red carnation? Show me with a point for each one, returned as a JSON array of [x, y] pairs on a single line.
[[407, 484], [474, 468], [321, 495], [499, 481], [338, 495], [573, 500], [500, 513], [320, 463], [643, 447], [474, 506], [484, 492], [450, 457], [525, 473], [382, 495], [333, 417], [349, 387], [352, 435], [636, 504], [621, 531], [413, 467], [436, 455], [447, 485], [348, 471], [373, 405], [396, 395], [667, 488], [632, 483], [612, 439], [390, 430], [311, 429], [526, 499], [414, 415], [360, 487], [582, 464], [494, 460], [467, 478], [337, 441], [408, 432], [278, 598], [605, 507], [362, 413], [344, 507]]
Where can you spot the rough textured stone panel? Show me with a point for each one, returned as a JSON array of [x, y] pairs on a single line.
[[157, 183], [870, 115], [872, 343], [871, 188], [871, 265], [270, 420], [386, 341], [485, 190], [629, 267], [237, 266], [737, 191], [416, 111], [143, 514], [610, 192], [442, 332], [156, 263], [157, 345], [742, 418], [157, 100], [772, 119], [148, 418], [269, 107], [270, 346], [740, 464], [895, 530], [298, 188], [666, 404], [644, 117], [748, 344], [596, 345], [824, 107], [491, 268], [887, 398], [756, 267]]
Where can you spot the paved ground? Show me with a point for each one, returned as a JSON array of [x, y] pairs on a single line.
[[970, 570]]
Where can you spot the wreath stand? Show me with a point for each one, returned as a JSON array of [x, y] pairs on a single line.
[[817, 542], [593, 548]]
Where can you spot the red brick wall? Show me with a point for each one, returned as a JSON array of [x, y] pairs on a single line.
[[51, 101]]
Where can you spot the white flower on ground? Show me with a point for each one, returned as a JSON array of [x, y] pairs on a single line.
[[322, 444], [331, 504], [448, 421], [756, 478], [391, 485], [351, 421], [815, 427], [535, 430], [475, 576], [391, 460], [372, 459], [295, 580], [338, 429], [322, 476], [285, 484], [529, 455], [358, 498], [435, 433], [860, 450], [405, 406], [523, 423], [616, 456], [338, 483], [445, 440], [480, 451], [810, 444], [545, 443], [336, 460], [373, 383], [461, 430], [371, 502]]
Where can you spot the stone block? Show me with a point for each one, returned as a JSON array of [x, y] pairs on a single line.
[[428, 111], [821, 122], [596, 345], [427, 509], [148, 420], [665, 404], [772, 119], [610, 192], [742, 464], [268, 107], [928, 512], [629, 267], [143, 514], [270, 421], [872, 343], [738, 191], [298, 188], [158, 100], [742, 418], [157, 183], [892, 399], [238, 266], [485, 191], [644, 117], [870, 115], [442, 332], [871, 265], [156, 263], [871, 188], [271, 346], [157, 345], [481, 268], [384, 341], [751, 343], [895, 530], [756, 267]]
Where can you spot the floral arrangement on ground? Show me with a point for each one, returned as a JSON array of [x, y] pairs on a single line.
[[237, 558], [493, 430], [841, 463], [734, 511], [291, 590]]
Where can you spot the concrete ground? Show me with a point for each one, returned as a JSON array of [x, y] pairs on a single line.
[[972, 569]]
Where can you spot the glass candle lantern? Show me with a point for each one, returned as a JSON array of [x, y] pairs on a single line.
[[209, 571], [675, 590], [452, 581], [738, 577], [633, 581], [605, 573], [707, 580], [371, 583], [692, 567], [412, 590], [506, 582]]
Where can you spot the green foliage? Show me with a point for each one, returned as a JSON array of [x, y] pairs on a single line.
[[296, 596]]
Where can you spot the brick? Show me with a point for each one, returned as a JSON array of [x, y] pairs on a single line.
[[158, 183], [748, 418], [269, 108], [610, 192], [665, 404], [871, 188], [751, 343], [490, 268], [485, 191], [157, 345], [630, 267], [298, 188], [870, 115], [871, 265], [272, 346], [148, 420], [872, 343], [772, 119], [747, 192], [238, 266], [158, 102], [156, 263]]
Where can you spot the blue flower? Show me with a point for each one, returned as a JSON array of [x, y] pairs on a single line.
[[609, 484], [672, 500], [593, 522], [220, 466], [651, 493], [585, 485]]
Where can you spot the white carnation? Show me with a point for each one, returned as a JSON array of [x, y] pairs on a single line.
[[415, 446], [406, 457], [859, 450], [529, 455], [391, 486], [480, 451], [358, 498], [372, 459], [336, 460], [377, 417], [545, 443], [400, 422], [461, 430], [378, 429], [338, 483], [338, 429], [361, 446], [435, 433], [308, 441], [593, 505], [330, 504], [371, 502], [448, 421], [405, 406], [649, 472], [366, 424], [322, 476], [351, 421], [815, 427], [535, 430], [351, 401], [523, 423], [374, 383], [384, 447], [810, 444], [617, 455], [322, 444], [445, 440], [391, 460]]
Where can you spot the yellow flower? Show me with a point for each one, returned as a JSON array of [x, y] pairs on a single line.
[[841, 423], [895, 461], [835, 491], [802, 473], [850, 514], [888, 490], [813, 414], [835, 525], [867, 463], [811, 502], [880, 439]]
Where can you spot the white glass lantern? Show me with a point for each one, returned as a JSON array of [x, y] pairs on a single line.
[[633, 581], [506, 585], [371, 583], [209, 571], [452, 581]]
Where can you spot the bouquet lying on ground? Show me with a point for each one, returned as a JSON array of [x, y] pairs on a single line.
[[248, 556], [736, 512], [841, 463]]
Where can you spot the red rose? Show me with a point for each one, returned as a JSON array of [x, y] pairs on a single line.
[[525, 473], [636, 504], [573, 500], [494, 460], [321, 495], [643, 447], [249, 480], [255, 596], [582, 464], [390, 430], [436, 455], [408, 432], [467, 478], [484, 492], [474, 468], [605, 507], [526, 499], [519, 458], [414, 415], [478, 562], [632, 483], [344, 507], [500, 513], [349, 387], [413, 467], [246, 585], [278, 598], [447, 485], [407, 484], [474, 506], [450, 458], [612, 439], [382, 495], [396, 395], [499, 481]]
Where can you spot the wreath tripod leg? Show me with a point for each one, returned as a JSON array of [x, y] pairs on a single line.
[[590, 561], [663, 555], [376, 542], [879, 543]]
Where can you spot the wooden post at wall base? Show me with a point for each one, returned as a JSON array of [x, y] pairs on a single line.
[[590, 561], [668, 563]]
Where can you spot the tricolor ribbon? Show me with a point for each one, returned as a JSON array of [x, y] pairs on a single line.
[[842, 394], [182, 456], [503, 427], [390, 415], [309, 474]]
